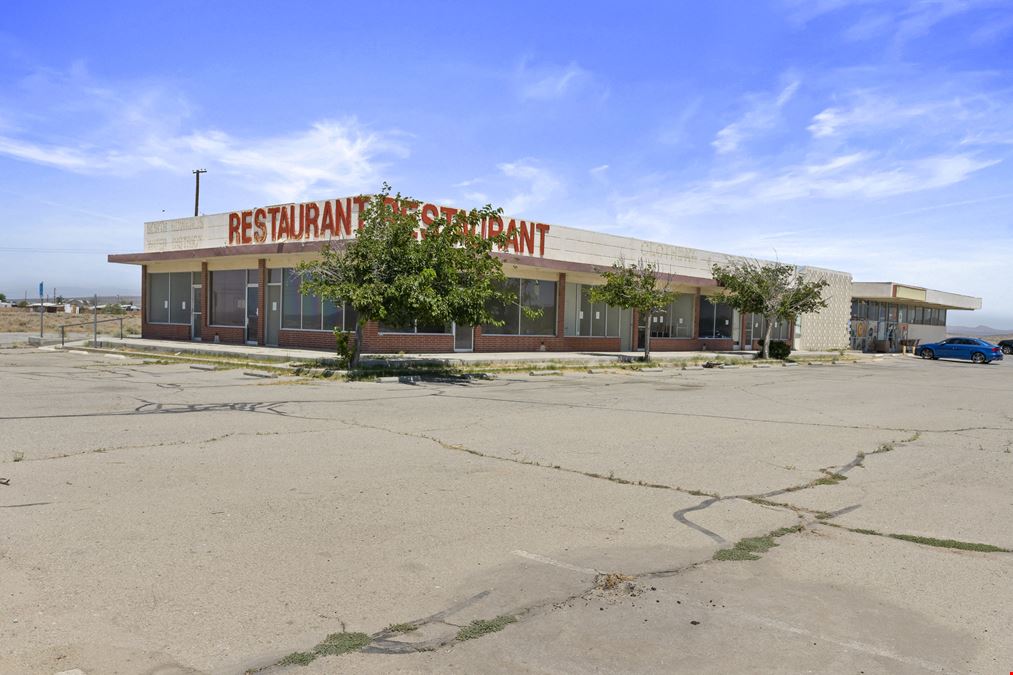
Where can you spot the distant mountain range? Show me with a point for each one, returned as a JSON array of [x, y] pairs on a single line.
[[977, 331]]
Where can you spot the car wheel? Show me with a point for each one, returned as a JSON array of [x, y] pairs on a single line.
[[928, 354], [1007, 349], [978, 357]]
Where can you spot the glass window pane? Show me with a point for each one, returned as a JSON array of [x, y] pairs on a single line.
[[682, 316], [660, 322], [541, 295], [432, 328], [158, 298], [598, 319], [228, 298], [706, 318], [508, 313], [612, 321], [723, 315], [585, 315], [893, 313], [572, 304], [942, 317], [274, 275], [332, 314], [179, 296], [351, 317], [291, 300], [311, 313]]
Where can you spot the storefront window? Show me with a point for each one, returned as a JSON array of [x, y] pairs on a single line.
[[715, 319], [228, 298], [168, 298], [533, 294], [587, 319], [158, 298], [309, 312]]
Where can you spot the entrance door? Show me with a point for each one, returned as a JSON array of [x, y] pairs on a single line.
[[272, 320], [195, 314], [252, 314], [464, 338]]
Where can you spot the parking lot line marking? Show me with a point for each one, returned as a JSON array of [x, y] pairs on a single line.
[[556, 563], [853, 645]]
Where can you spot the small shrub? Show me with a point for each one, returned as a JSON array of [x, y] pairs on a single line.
[[343, 346], [779, 350]]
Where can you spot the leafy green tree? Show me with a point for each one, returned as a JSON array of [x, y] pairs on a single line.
[[773, 290], [634, 286], [3, 298], [399, 271]]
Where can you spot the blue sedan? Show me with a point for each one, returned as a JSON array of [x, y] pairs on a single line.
[[971, 349]]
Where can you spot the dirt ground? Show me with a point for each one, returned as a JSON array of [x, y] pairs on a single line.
[[846, 518], [17, 320]]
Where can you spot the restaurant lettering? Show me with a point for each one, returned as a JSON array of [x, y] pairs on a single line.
[[342, 218]]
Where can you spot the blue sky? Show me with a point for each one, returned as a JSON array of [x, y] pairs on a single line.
[[872, 137]]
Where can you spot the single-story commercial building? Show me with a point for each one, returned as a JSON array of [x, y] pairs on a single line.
[[229, 277], [885, 315]]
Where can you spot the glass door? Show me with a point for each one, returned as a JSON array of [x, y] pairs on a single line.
[[464, 338], [195, 314], [252, 314]]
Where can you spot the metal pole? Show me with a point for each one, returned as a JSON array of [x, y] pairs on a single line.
[[42, 314], [94, 335], [196, 195]]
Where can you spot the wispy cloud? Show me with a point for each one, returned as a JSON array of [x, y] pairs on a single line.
[[534, 185], [102, 128], [764, 113], [546, 82], [858, 176]]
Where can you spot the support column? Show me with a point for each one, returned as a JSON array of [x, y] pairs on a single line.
[[560, 304], [205, 295], [262, 302], [144, 300]]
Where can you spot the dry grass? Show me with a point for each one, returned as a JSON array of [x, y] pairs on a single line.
[[611, 581], [17, 320]]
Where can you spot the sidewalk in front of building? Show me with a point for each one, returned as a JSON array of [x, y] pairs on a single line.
[[282, 355]]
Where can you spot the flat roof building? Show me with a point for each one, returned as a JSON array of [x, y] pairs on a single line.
[[229, 277]]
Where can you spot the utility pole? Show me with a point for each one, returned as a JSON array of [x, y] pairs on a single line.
[[196, 196]]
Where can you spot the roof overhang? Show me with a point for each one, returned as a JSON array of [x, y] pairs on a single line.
[[262, 250], [890, 291]]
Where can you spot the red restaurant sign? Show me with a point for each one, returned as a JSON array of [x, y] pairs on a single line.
[[332, 219]]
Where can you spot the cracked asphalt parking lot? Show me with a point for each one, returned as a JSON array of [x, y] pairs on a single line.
[[160, 519]]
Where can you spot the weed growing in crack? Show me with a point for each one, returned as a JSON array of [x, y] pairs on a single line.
[[297, 659], [950, 543], [401, 628], [830, 478], [929, 541], [751, 548], [480, 627], [332, 645], [883, 447]]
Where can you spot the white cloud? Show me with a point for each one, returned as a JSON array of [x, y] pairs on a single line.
[[538, 185], [129, 128], [764, 114], [550, 82], [858, 176]]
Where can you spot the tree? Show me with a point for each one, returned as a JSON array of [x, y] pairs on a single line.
[[3, 298], [773, 290], [634, 286], [399, 271]]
